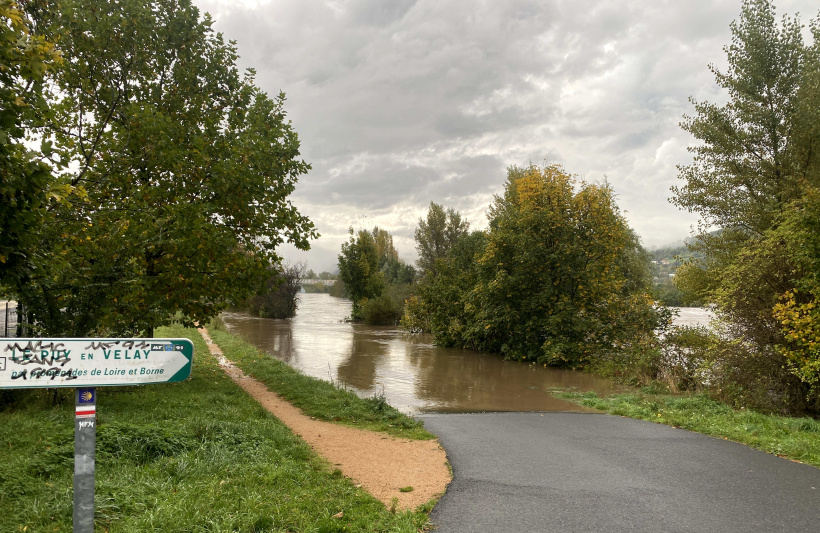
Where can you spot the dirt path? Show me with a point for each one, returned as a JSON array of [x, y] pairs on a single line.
[[380, 463]]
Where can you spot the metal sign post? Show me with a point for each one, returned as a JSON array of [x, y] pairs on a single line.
[[85, 440], [85, 364]]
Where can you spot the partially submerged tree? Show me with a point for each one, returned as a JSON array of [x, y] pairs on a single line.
[[374, 276], [558, 278], [556, 282], [359, 270], [279, 298]]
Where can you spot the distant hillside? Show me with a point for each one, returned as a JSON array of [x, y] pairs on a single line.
[[665, 262]]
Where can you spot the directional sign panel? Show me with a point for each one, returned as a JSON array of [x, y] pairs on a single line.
[[31, 363]]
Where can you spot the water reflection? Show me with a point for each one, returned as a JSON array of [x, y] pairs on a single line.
[[413, 374]]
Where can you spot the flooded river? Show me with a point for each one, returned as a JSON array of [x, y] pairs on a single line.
[[413, 374]]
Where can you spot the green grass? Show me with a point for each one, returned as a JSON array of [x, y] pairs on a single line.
[[315, 397], [793, 438], [194, 456]]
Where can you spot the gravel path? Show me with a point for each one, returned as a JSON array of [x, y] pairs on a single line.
[[381, 464]]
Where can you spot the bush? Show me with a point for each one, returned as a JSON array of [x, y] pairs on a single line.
[[737, 372], [381, 311], [279, 297]]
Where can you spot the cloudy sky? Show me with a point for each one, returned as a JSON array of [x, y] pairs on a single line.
[[402, 102]]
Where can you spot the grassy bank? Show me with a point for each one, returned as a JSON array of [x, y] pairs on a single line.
[[195, 456], [316, 397], [793, 438]]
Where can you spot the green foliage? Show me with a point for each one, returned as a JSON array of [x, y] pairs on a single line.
[[374, 277], [558, 278], [798, 311], [742, 173], [397, 272], [338, 289], [380, 311], [439, 305], [186, 169], [436, 236], [27, 185], [359, 270], [753, 173], [667, 293]]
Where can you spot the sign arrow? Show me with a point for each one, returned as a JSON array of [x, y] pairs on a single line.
[[33, 363]]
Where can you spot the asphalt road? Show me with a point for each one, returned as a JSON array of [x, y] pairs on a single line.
[[575, 472]]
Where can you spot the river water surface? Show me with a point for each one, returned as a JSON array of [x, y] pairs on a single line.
[[413, 374]]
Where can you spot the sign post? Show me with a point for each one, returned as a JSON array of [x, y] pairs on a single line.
[[85, 439], [85, 364]]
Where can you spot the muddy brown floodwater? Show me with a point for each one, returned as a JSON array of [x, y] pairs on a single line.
[[414, 375]]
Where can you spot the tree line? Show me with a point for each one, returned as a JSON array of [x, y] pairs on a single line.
[[558, 278], [142, 176]]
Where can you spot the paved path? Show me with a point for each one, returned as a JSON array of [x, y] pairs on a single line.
[[572, 472]]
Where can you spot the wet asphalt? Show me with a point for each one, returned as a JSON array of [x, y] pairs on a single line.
[[577, 472]]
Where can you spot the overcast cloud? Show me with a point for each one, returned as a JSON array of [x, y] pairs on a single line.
[[399, 102]]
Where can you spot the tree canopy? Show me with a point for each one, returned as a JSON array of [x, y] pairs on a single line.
[[185, 168], [556, 279], [374, 276], [436, 235], [27, 186]]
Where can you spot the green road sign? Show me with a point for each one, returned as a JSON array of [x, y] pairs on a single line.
[[32, 363]]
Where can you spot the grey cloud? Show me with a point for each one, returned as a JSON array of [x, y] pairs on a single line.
[[380, 13], [402, 102]]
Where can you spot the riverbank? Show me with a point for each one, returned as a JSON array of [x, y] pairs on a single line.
[[797, 439], [195, 455]]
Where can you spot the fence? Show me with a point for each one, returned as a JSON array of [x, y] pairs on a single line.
[[8, 319]]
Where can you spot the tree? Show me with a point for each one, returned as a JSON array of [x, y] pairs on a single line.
[[359, 270], [186, 165], [436, 235], [558, 278], [397, 272], [383, 242], [375, 278], [440, 304], [27, 185], [280, 296], [798, 310], [754, 165], [743, 172]]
